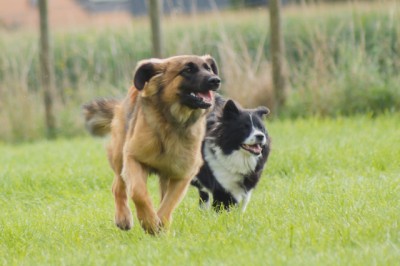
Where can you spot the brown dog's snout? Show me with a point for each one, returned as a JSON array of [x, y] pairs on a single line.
[[214, 82]]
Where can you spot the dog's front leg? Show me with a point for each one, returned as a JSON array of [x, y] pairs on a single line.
[[135, 177], [175, 192]]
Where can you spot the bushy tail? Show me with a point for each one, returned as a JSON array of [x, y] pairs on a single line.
[[98, 116]]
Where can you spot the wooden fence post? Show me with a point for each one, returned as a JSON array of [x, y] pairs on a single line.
[[47, 78], [155, 13], [277, 54]]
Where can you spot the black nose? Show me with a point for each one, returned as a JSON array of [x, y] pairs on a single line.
[[215, 81], [260, 137]]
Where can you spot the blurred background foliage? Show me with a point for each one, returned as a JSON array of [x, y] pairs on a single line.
[[341, 59]]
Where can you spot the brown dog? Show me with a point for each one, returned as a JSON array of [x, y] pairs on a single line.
[[158, 128]]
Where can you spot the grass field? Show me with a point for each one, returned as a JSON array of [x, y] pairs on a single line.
[[329, 196]]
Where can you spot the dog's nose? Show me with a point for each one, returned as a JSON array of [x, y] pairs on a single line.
[[214, 81], [260, 137]]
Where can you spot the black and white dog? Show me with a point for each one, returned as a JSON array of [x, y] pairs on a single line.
[[235, 150]]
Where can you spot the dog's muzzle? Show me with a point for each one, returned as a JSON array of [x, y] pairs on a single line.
[[203, 97]]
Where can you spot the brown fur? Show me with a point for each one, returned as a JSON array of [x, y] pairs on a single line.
[[98, 115], [152, 131]]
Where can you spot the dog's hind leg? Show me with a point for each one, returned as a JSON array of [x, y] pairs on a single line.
[[123, 215], [135, 177], [204, 201], [163, 187], [176, 190]]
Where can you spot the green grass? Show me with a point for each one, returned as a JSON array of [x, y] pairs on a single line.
[[329, 196]]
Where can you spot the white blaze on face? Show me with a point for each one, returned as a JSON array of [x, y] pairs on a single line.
[[254, 142]]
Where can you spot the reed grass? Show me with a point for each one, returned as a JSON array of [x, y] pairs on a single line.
[[341, 60]]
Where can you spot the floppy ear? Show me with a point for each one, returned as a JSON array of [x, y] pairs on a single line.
[[231, 110], [212, 63], [262, 111], [144, 72]]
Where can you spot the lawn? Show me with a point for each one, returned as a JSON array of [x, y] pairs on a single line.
[[329, 196]]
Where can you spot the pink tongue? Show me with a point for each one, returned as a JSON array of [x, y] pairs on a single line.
[[256, 148], [206, 96]]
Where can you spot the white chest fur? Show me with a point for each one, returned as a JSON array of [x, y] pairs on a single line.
[[229, 170]]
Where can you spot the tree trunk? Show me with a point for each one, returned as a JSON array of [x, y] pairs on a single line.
[[277, 54], [155, 13], [46, 70]]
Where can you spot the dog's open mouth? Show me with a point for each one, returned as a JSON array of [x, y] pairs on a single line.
[[255, 149], [204, 96], [202, 99]]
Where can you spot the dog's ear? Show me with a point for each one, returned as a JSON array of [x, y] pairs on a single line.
[[212, 63], [262, 111], [231, 110], [145, 71]]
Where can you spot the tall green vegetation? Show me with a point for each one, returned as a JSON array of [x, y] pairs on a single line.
[[341, 60]]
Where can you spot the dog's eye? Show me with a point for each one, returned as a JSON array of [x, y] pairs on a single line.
[[188, 69], [207, 67]]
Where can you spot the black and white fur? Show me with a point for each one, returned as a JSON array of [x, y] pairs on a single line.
[[235, 150]]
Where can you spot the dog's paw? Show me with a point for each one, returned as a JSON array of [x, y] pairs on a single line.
[[124, 225], [152, 226], [165, 220], [124, 220]]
